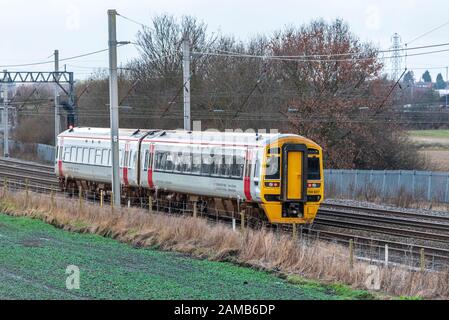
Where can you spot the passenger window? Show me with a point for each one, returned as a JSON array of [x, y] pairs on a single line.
[[86, 155], [169, 162], [67, 154], [196, 163], [217, 165], [206, 164], [79, 155], [186, 163], [146, 160], [105, 159], [73, 154], [91, 155], [237, 167], [98, 157]]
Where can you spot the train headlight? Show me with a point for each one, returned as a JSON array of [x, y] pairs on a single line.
[[272, 184]]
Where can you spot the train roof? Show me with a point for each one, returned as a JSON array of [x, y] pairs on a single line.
[[149, 135]]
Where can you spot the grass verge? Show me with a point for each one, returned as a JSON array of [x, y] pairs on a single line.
[[258, 249]]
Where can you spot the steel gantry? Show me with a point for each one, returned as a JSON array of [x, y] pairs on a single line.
[[59, 77]]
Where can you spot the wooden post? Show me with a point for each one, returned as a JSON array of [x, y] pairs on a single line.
[[112, 202], [351, 253], [52, 199], [294, 232], [101, 198], [195, 213], [242, 220], [5, 186], [422, 260], [26, 193], [80, 196], [150, 204]]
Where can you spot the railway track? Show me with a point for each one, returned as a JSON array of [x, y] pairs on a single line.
[[426, 227], [335, 222], [38, 177]]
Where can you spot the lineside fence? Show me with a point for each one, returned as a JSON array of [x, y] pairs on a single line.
[[387, 184], [31, 151]]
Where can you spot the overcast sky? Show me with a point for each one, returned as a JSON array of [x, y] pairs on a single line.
[[32, 29]]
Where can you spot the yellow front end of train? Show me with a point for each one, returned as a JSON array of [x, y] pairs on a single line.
[[292, 186]]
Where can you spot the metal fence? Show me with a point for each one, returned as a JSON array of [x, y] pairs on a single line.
[[419, 185], [46, 152]]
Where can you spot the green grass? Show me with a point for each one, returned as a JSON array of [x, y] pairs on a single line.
[[430, 133], [337, 289], [34, 256]]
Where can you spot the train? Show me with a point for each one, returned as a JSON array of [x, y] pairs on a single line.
[[271, 176]]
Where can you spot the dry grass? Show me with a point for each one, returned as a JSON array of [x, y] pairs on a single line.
[[257, 249], [401, 199]]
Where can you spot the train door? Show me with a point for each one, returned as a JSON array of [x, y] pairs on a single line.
[[294, 178], [147, 167]]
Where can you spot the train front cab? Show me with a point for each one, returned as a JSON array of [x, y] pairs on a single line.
[[292, 181]]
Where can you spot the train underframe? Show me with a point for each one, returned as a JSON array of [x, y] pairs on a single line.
[[169, 201]]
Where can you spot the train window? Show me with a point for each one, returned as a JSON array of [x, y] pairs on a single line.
[[206, 164], [79, 155], [73, 154], [256, 168], [105, 160], [146, 160], [160, 160], [187, 163], [67, 154], [272, 171], [313, 169], [225, 168], [169, 162], [91, 156], [237, 167], [177, 165], [98, 156], [196, 163], [274, 151], [217, 165], [85, 155]]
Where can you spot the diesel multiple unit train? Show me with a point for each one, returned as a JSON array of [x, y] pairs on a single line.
[[278, 177]]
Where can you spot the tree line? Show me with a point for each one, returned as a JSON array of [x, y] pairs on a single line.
[[328, 86]]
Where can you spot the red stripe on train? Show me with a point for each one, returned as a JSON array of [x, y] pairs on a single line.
[[60, 168], [125, 176], [150, 168], [247, 188], [247, 179], [150, 178]]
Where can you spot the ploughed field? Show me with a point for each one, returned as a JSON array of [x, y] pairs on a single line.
[[434, 146], [34, 257]]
